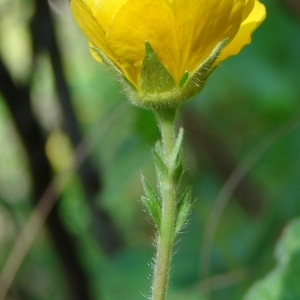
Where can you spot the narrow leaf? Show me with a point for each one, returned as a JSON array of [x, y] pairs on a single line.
[[161, 167], [183, 210], [155, 78], [152, 203], [159, 148], [178, 171], [176, 151]]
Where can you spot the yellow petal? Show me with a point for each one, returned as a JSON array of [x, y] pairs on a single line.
[[200, 27], [248, 8], [243, 36], [88, 24], [139, 21], [182, 33], [104, 11]]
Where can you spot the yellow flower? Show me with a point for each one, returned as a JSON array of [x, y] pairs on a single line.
[[182, 33]]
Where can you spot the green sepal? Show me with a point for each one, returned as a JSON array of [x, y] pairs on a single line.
[[154, 78], [129, 83], [152, 203], [195, 82], [157, 88], [175, 155], [183, 210], [129, 88], [108, 63]]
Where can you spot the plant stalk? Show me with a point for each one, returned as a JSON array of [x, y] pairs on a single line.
[[165, 238]]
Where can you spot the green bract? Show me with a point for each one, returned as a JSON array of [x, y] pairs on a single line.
[[157, 88]]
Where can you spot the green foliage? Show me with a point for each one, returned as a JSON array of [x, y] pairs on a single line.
[[152, 203], [161, 168], [173, 168], [175, 161], [183, 210], [283, 283]]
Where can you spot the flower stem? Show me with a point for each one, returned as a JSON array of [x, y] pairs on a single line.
[[165, 239]]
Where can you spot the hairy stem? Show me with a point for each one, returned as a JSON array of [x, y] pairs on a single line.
[[165, 239]]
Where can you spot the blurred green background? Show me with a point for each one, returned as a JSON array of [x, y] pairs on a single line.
[[59, 108]]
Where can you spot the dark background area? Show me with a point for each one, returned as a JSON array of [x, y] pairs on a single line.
[[72, 147]]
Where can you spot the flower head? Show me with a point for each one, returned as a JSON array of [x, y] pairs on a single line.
[[179, 35]]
